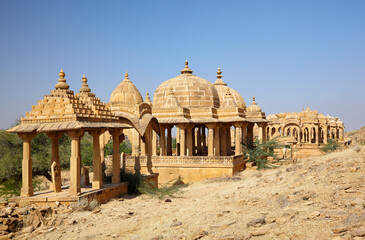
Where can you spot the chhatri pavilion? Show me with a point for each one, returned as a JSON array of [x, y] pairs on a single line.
[[211, 120]]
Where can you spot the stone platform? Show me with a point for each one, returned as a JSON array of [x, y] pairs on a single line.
[[189, 168], [49, 197]]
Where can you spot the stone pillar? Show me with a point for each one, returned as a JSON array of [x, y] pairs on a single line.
[[135, 143], [116, 156], [204, 141], [341, 134], [75, 162], [55, 162], [317, 135], [217, 147], [189, 140], [177, 141], [199, 142], [250, 132], [224, 141], [210, 139], [261, 134], [154, 143], [228, 141], [143, 147], [169, 141], [238, 150], [27, 188], [162, 141], [182, 140], [97, 182]]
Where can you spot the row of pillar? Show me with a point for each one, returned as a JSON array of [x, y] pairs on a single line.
[[191, 140], [75, 160]]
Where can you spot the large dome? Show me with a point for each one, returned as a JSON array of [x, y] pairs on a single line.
[[191, 91], [222, 87], [125, 95]]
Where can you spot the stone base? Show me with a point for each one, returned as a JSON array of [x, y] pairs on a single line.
[[190, 169], [48, 197], [307, 150]]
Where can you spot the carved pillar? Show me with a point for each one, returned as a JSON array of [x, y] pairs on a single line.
[[182, 140], [116, 156], [228, 141], [162, 141], [210, 139], [154, 143], [238, 140], [55, 162], [97, 182], [75, 162], [189, 140], [177, 141], [199, 142], [169, 141], [27, 188], [204, 141], [223, 141], [261, 134], [143, 147], [217, 147]]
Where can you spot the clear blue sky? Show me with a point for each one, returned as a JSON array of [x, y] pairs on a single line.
[[286, 53]]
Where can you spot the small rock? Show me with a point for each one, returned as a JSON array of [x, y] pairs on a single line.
[[73, 222], [97, 210], [158, 237], [114, 235], [314, 214], [308, 203], [281, 220], [121, 199], [168, 200], [258, 233], [340, 229], [176, 224], [358, 232], [4, 227], [337, 238], [358, 201], [354, 169], [227, 237], [57, 203], [200, 235], [28, 229], [291, 168], [253, 222]]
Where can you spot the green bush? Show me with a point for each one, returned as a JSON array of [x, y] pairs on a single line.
[[125, 147], [258, 151], [332, 145]]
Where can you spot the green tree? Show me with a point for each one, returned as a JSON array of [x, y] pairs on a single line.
[[330, 146], [258, 151], [125, 147]]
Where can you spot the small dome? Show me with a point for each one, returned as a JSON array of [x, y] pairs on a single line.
[[190, 91], [126, 93], [254, 107], [221, 88]]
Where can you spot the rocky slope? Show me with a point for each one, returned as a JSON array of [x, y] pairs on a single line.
[[319, 198]]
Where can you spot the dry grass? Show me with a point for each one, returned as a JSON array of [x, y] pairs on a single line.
[[290, 197]]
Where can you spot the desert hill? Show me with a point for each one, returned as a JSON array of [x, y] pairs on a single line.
[[358, 134], [318, 198]]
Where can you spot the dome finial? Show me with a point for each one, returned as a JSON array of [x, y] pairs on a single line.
[[84, 86], [219, 80], [126, 77], [62, 85], [148, 99], [186, 69]]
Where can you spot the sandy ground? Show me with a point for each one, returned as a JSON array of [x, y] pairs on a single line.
[[319, 198]]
